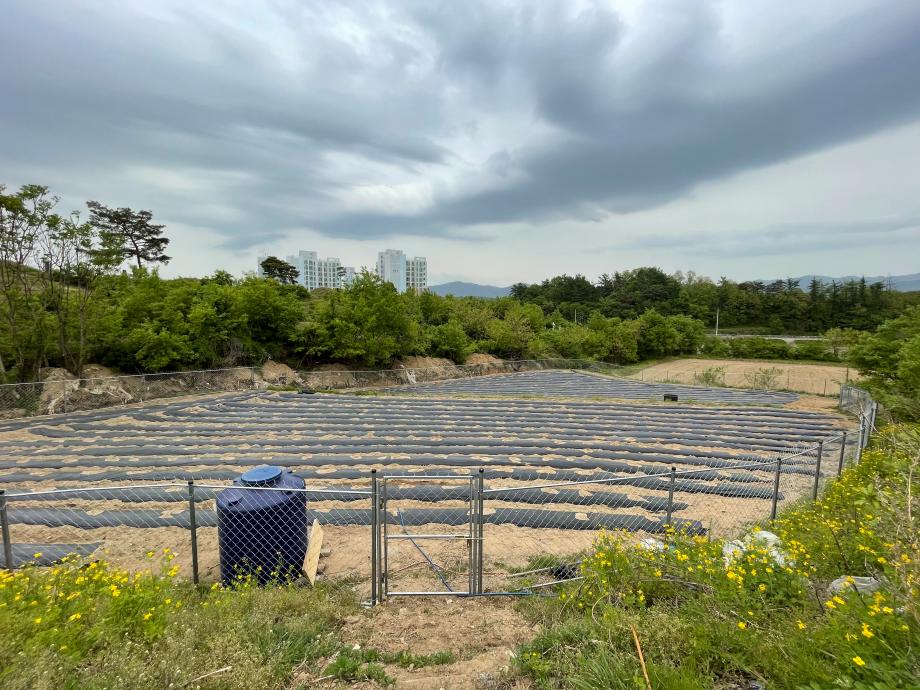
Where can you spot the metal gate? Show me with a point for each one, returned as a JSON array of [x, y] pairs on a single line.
[[420, 550]]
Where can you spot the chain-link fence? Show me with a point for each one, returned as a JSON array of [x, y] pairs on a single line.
[[62, 393], [58, 394], [456, 529], [453, 534], [456, 535], [210, 532]]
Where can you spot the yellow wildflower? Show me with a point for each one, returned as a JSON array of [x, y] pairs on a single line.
[[858, 661]]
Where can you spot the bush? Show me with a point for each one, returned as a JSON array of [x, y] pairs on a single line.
[[765, 378], [759, 348], [715, 347], [815, 350], [713, 376]]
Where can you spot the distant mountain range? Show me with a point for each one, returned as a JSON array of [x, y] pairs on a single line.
[[461, 289], [905, 283]]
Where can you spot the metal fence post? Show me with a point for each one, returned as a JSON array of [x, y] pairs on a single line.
[[479, 543], [843, 450], [384, 558], [671, 481], [779, 467], [471, 556], [375, 535], [5, 529], [193, 526], [814, 491], [859, 440]]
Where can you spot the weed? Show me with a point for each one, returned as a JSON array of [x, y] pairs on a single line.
[[712, 376]]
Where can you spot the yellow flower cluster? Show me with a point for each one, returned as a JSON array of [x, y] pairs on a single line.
[[55, 607]]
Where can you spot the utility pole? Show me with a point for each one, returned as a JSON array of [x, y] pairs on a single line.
[[717, 321]]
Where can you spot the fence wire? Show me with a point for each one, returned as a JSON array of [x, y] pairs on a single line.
[[457, 531], [62, 394]]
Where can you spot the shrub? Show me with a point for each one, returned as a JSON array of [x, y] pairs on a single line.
[[816, 350], [766, 378], [712, 376], [759, 348]]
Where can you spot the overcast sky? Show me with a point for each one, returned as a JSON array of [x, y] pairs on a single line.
[[504, 141]]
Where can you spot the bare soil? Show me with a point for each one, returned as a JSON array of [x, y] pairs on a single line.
[[818, 379], [481, 634]]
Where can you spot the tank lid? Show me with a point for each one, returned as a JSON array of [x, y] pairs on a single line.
[[264, 474]]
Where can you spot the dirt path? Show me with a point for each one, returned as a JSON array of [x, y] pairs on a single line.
[[818, 379], [480, 633]]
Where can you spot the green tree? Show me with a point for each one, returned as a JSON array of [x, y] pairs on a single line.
[[125, 234], [280, 270], [451, 341], [889, 359], [366, 323], [656, 336]]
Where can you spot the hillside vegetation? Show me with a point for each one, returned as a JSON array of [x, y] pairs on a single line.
[[709, 618]]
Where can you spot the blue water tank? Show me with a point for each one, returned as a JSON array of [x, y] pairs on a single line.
[[260, 532]]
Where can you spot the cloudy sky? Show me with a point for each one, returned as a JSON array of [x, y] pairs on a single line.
[[505, 141]]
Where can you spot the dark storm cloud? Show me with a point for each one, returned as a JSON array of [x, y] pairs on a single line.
[[271, 115]]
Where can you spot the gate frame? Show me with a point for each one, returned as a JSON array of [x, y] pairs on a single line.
[[380, 536]]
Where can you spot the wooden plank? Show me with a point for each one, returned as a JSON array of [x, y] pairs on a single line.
[[311, 562]]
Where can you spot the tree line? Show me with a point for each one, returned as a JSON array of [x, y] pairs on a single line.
[[779, 307], [74, 291]]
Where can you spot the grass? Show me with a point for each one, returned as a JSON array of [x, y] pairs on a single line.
[[89, 625], [80, 625], [704, 622]]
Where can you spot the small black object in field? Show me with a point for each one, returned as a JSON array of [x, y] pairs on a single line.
[[670, 397]]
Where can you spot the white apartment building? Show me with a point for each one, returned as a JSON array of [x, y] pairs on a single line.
[[314, 272], [417, 274], [404, 273], [391, 267]]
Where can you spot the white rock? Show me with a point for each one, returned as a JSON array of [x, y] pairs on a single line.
[[732, 550], [652, 544], [847, 583], [763, 538]]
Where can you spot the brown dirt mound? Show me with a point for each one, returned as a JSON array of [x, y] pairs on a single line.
[[330, 376], [486, 364], [276, 372], [428, 368]]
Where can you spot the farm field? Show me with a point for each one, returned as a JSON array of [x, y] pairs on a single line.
[[333, 441], [576, 384], [816, 379]]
